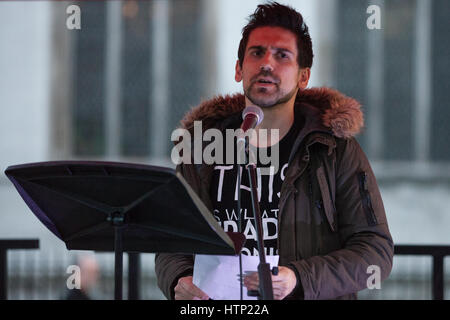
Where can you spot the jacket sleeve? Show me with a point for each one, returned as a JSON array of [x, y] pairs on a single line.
[[363, 230], [170, 267]]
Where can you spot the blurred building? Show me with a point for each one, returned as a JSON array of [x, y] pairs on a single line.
[[116, 88]]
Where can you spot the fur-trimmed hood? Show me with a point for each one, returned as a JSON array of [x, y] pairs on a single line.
[[338, 113]]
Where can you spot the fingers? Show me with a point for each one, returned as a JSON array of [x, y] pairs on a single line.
[[280, 290], [282, 284], [186, 290], [251, 281], [284, 274]]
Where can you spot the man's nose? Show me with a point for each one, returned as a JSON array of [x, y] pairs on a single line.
[[267, 62]]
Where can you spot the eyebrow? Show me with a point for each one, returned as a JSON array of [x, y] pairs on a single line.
[[276, 48]]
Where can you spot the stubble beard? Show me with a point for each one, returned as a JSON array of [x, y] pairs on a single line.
[[271, 100]]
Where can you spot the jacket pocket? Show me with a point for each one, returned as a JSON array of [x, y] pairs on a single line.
[[326, 199], [365, 199]]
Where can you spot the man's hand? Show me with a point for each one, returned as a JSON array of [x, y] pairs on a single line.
[[283, 283], [186, 290]]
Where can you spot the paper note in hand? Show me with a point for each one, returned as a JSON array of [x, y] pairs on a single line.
[[218, 276]]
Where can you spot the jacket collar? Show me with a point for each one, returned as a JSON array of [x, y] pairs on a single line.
[[324, 110]]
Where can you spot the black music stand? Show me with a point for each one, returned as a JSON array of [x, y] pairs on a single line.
[[121, 207]]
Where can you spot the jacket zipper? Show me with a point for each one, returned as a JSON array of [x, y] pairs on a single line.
[[365, 198]]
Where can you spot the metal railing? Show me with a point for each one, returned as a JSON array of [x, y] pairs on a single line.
[[6, 245], [140, 277], [438, 253]]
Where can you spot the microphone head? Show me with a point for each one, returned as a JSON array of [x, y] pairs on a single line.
[[257, 111]]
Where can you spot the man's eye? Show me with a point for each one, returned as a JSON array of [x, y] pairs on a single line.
[[282, 55], [256, 53]]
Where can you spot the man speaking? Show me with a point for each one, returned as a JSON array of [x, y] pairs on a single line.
[[322, 211]]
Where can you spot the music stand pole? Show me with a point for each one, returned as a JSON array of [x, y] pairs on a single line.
[[118, 268], [117, 220]]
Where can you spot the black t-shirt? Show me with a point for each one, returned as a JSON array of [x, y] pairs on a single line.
[[224, 195]]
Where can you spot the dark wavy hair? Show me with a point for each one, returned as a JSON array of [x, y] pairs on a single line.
[[274, 14]]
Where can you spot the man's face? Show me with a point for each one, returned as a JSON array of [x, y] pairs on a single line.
[[270, 72]]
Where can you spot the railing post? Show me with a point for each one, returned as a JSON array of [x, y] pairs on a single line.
[[134, 270], [3, 274], [438, 277]]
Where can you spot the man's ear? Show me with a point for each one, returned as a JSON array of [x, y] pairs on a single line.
[[238, 74], [305, 74]]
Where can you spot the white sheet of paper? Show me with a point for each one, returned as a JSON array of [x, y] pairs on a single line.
[[218, 276]]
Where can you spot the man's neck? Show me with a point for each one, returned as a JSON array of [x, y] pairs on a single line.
[[279, 117]]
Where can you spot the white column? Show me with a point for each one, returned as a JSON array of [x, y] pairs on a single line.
[[209, 34], [160, 77], [422, 77], [323, 30], [375, 87], [113, 64], [63, 62]]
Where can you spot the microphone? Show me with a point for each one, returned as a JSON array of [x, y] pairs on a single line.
[[252, 116]]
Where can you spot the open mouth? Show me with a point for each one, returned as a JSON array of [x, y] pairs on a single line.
[[265, 82]]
